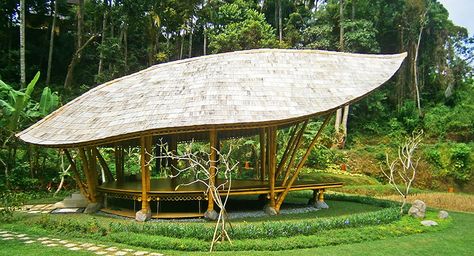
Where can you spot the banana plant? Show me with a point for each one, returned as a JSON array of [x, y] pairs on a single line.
[[17, 102]]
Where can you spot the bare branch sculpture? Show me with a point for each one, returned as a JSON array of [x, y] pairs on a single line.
[[198, 164], [402, 170]]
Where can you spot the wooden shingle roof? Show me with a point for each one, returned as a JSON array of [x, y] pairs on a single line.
[[249, 89]]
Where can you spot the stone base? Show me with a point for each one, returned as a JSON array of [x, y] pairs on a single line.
[[143, 215], [318, 204], [211, 215], [269, 210], [93, 207], [76, 200], [321, 205]]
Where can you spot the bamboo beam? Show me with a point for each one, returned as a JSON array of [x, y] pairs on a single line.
[[119, 164], [76, 175], [91, 187], [108, 174], [272, 163], [289, 146], [145, 172], [263, 154], [282, 196], [295, 149]]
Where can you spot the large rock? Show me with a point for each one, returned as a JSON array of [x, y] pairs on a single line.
[[143, 215], [75, 200], [93, 207], [270, 210], [443, 214], [429, 223], [211, 215], [417, 209]]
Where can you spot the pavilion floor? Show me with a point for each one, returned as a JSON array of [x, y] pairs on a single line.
[[169, 187], [167, 192]]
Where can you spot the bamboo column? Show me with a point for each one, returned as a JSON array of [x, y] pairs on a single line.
[[282, 196], [263, 154], [103, 164], [145, 149], [77, 176], [271, 142], [211, 213], [91, 184]]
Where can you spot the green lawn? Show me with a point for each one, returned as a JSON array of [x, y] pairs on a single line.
[[458, 239]]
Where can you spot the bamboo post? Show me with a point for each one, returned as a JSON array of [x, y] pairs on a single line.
[[119, 163], [282, 196], [89, 177], [263, 154], [103, 164], [76, 175], [211, 214], [145, 149], [271, 141], [298, 141], [272, 161], [288, 148]]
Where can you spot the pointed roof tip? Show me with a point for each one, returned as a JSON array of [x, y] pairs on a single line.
[[234, 90]]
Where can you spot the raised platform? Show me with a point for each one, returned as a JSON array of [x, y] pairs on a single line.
[[166, 189]]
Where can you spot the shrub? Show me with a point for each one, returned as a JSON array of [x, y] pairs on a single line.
[[9, 202], [203, 231], [460, 154]]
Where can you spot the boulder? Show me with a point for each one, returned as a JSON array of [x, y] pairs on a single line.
[[270, 210], [429, 223], [443, 214], [211, 215], [321, 205], [417, 209], [93, 207], [143, 215]]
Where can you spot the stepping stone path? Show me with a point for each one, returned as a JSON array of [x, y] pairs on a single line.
[[97, 249], [38, 208]]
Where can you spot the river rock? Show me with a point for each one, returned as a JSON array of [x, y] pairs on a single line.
[[417, 209], [429, 223], [443, 214]]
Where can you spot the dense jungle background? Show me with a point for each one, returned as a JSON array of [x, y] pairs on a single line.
[[71, 46]]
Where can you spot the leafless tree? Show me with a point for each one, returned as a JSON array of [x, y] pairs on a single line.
[[199, 165], [402, 170]]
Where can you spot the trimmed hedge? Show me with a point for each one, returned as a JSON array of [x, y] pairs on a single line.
[[254, 230]]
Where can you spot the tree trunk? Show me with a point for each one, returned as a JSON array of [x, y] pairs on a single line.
[[415, 61], [341, 27], [204, 48], [345, 117], [74, 61], [280, 27], [51, 43], [190, 50], [181, 48], [22, 44], [77, 55], [353, 9], [104, 29]]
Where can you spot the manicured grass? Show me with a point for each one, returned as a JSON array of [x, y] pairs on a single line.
[[347, 179], [405, 237], [373, 190], [15, 247]]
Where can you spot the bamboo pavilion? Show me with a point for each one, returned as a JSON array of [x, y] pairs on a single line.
[[209, 98]]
